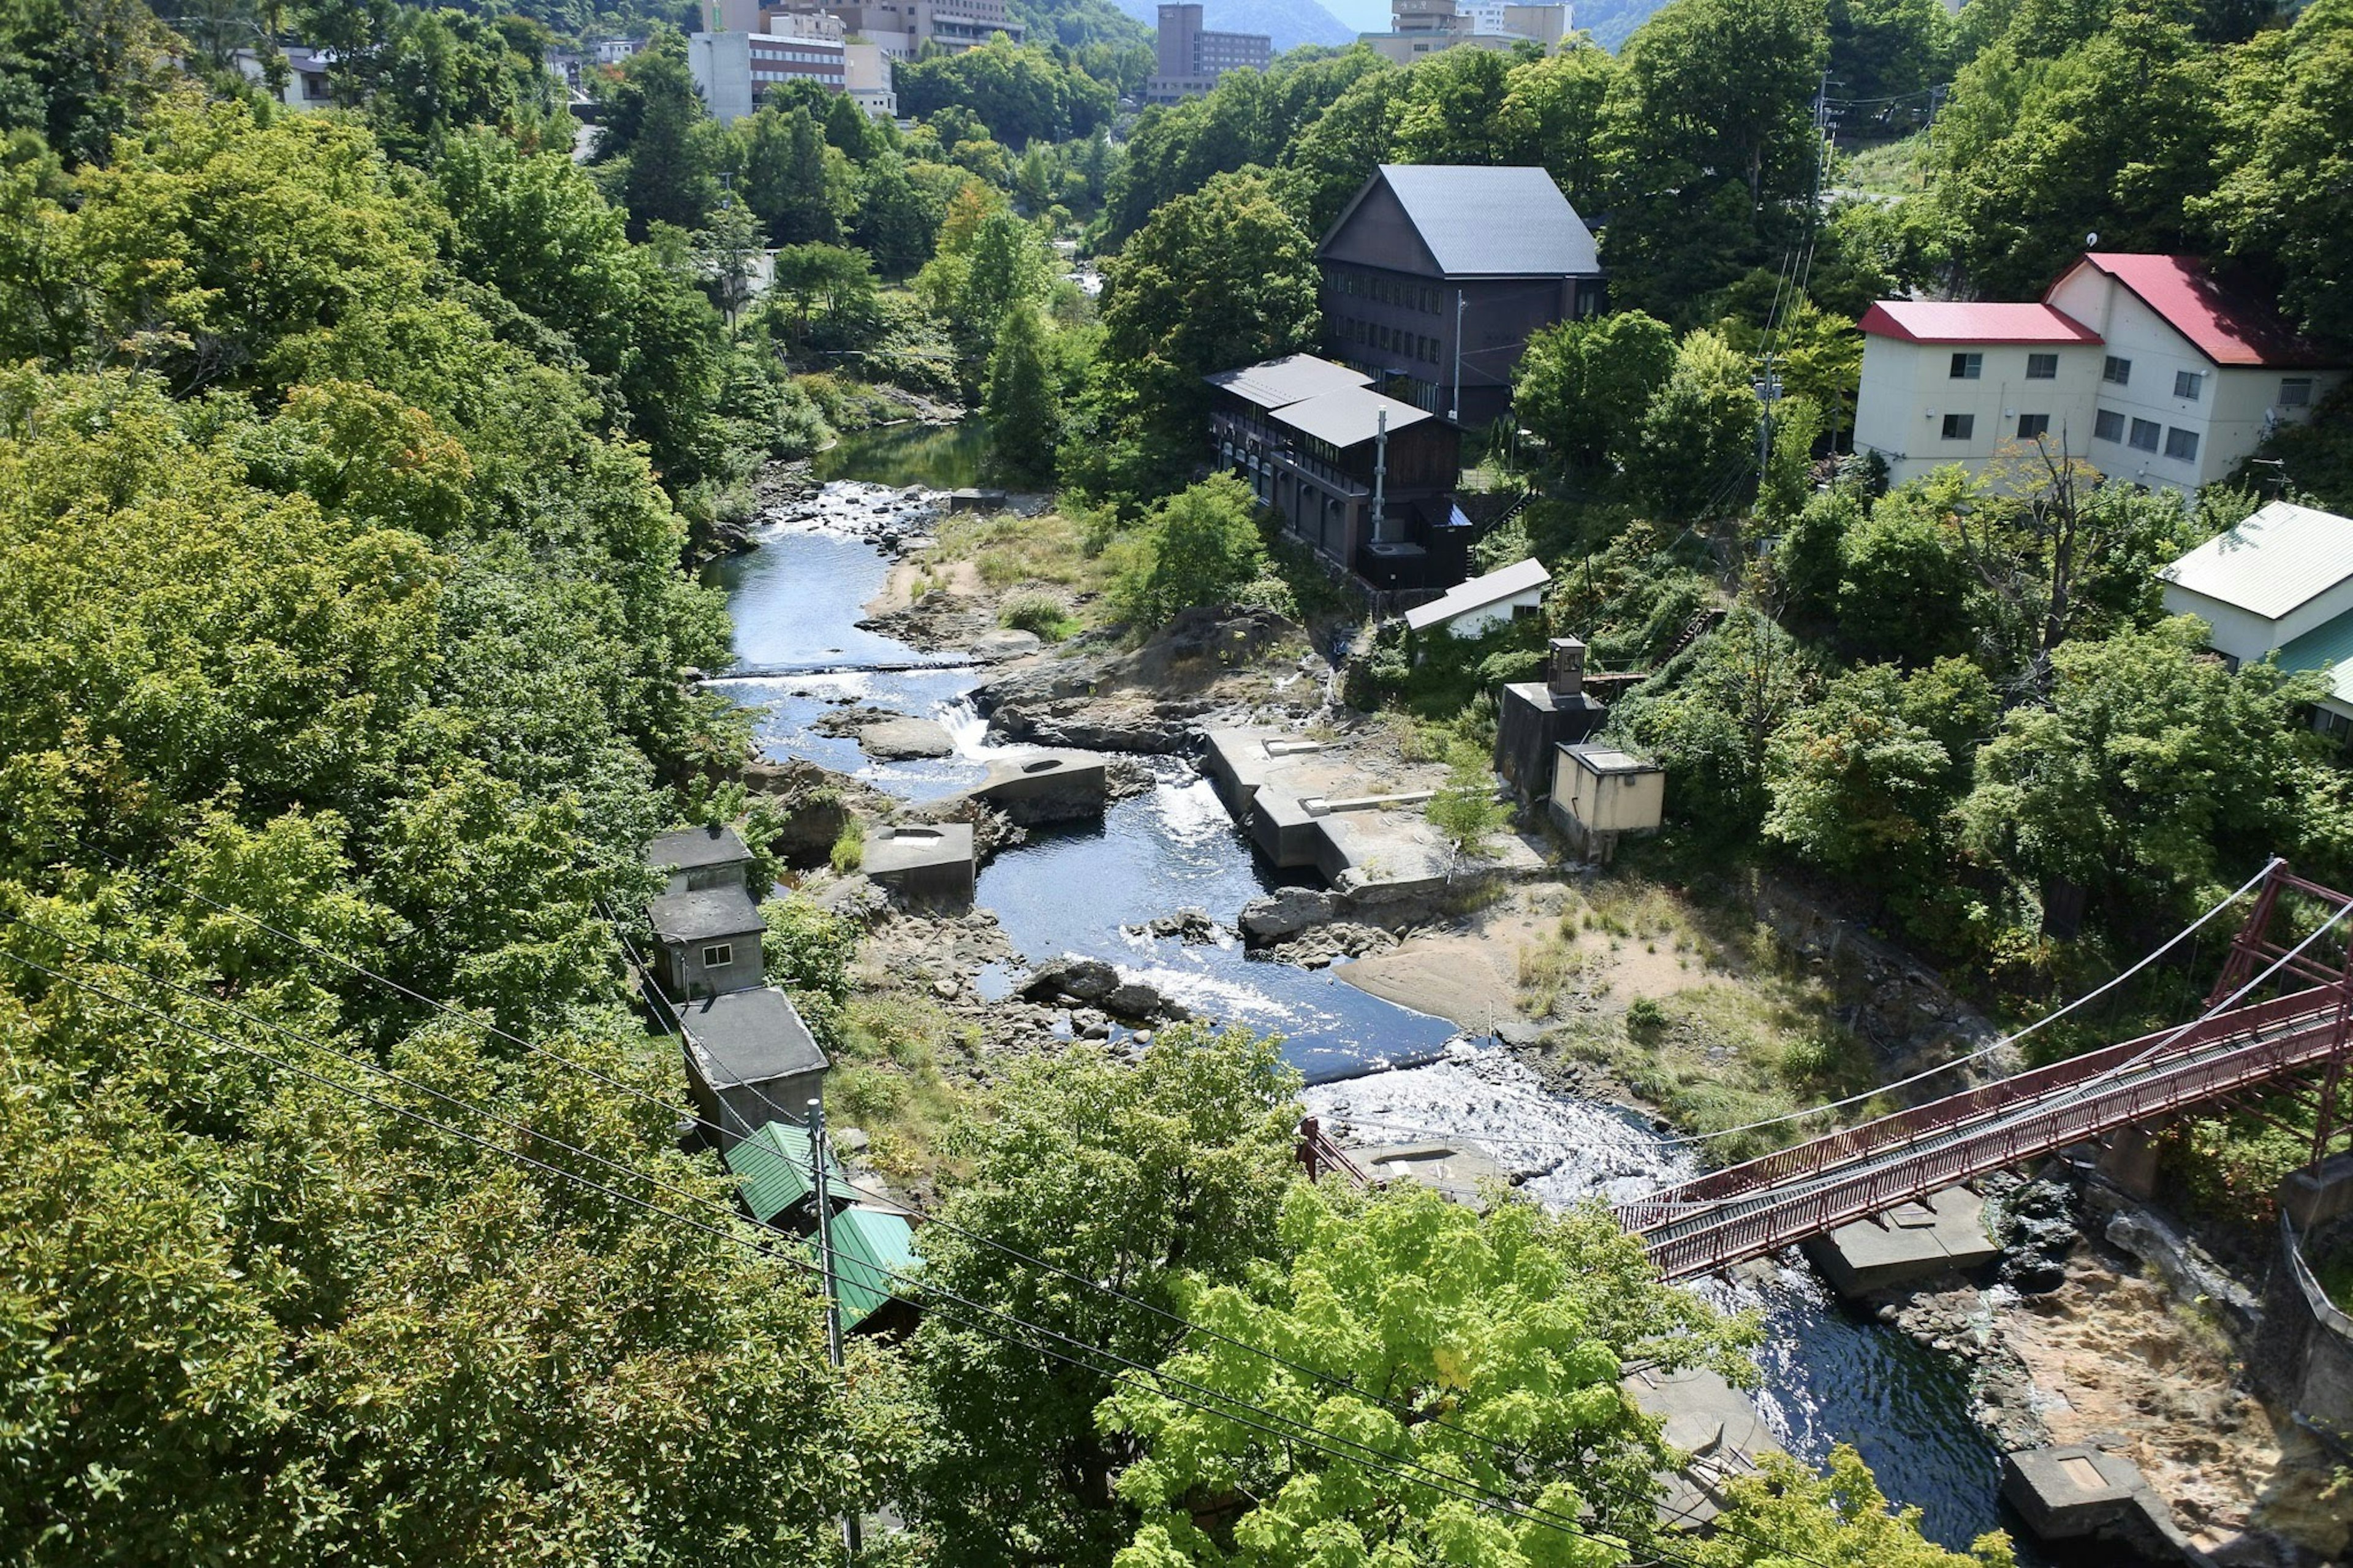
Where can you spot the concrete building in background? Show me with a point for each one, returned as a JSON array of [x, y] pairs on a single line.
[[1436, 275], [2147, 366], [736, 71], [901, 28], [1191, 57], [1423, 27]]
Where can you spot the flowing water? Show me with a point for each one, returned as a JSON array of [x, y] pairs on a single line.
[[1829, 1376]]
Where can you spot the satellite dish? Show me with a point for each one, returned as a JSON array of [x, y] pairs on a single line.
[[2090, 239]]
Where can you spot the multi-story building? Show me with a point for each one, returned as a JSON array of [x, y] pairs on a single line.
[[736, 71], [1365, 480], [1420, 27], [2146, 366], [1436, 276], [1191, 59], [901, 28], [2279, 586]]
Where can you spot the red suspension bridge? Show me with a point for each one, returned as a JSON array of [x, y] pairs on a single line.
[[2243, 1041]]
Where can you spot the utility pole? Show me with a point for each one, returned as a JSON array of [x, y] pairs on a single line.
[[1454, 413], [825, 1268], [1380, 469]]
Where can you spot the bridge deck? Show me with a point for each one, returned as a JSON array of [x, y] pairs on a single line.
[[1748, 1210]]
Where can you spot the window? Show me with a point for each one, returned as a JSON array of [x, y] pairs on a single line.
[[2108, 424], [1959, 427], [2030, 426], [2189, 383], [1967, 367], [719, 955], [2041, 367], [2144, 435], [2296, 392], [2118, 371], [2181, 444]]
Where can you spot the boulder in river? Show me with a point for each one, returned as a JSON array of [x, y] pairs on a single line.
[[894, 740], [1285, 913], [1084, 979], [1136, 1003]]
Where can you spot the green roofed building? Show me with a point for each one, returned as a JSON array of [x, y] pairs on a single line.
[[779, 1181], [874, 1250]]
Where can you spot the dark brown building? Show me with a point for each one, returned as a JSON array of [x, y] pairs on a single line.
[[1436, 275], [1365, 479]]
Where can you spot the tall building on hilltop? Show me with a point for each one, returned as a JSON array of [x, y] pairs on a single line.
[[1192, 58], [1420, 27]]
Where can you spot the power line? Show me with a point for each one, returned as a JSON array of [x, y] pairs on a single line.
[[1459, 1489]]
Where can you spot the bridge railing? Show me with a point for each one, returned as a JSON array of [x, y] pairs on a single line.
[[1766, 1225], [1903, 1128]]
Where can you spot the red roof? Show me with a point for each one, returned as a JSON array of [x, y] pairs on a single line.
[[1953, 322], [2229, 329]]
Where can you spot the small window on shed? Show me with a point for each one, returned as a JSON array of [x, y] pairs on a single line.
[[719, 955], [2296, 392]]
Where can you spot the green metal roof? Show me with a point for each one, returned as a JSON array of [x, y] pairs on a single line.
[[773, 1166], [2328, 647], [869, 1245]]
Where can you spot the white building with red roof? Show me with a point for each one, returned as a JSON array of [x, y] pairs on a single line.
[[2143, 366]]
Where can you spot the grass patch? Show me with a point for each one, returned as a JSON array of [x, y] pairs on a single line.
[[888, 1079], [850, 848], [1006, 551], [1890, 168], [1040, 612]]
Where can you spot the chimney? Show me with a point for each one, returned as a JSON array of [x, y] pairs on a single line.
[[1566, 673]]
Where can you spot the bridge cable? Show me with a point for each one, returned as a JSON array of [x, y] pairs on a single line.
[[1446, 1484]]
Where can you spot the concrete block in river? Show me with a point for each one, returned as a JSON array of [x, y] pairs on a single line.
[[2314, 1197], [1047, 786], [2067, 1494], [1942, 1234], [1715, 1423], [929, 863]]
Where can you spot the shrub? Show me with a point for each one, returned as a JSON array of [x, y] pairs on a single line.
[[850, 848], [1040, 613], [1645, 1019]]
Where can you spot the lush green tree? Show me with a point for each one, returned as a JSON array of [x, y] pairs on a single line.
[[1886, 48], [1582, 386], [2285, 199], [1903, 585], [824, 297], [2114, 136], [1819, 356], [1328, 163], [82, 72], [1728, 86], [2152, 776], [437, 72], [1020, 402], [1555, 112], [1788, 482], [1198, 548], [1222, 278], [1020, 91], [788, 178], [1145, 1177], [662, 168], [1480, 1348], [1809, 561], [1858, 786], [1710, 717], [898, 214], [1451, 110], [1699, 431], [1784, 1513]]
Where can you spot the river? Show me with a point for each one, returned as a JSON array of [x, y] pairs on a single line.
[[1829, 1376]]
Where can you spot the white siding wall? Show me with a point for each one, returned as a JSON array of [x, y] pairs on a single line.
[[1907, 389], [1486, 617]]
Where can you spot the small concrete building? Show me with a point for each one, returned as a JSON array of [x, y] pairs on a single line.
[[749, 1060], [700, 857], [707, 942], [2148, 366], [2280, 584], [1479, 604], [928, 863], [1534, 719], [1435, 277], [1601, 794]]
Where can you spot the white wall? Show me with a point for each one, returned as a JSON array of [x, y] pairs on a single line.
[[1486, 617], [1907, 389], [721, 66]]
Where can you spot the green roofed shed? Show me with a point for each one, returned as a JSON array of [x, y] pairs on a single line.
[[773, 1166], [871, 1247]]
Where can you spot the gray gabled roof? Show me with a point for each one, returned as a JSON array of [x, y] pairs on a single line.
[[1349, 416], [716, 845], [1483, 222], [2283, 556], [1478, 592], [703, 913], [1293, 378]]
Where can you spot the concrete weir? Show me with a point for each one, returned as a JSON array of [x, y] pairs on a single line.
[[1047, 786], [930, 863], [1944, 1233]]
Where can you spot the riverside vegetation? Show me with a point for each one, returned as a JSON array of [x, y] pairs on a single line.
[[349, 462]]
